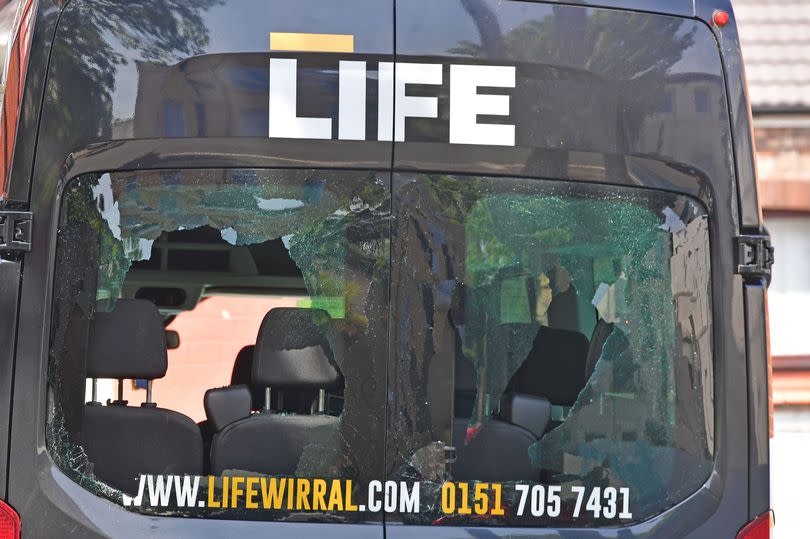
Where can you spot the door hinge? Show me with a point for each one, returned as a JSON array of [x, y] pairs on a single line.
[[16, 228], [754, 256]]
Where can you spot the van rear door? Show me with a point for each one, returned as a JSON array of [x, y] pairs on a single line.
[[530, 109], [179, 91]]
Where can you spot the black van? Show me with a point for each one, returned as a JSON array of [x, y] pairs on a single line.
[[435, 268]]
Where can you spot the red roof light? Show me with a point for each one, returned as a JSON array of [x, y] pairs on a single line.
[[720, 18]]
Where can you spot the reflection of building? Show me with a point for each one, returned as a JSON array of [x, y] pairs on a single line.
[[687, 115], [218, 95], [178, 98], [687, 119]]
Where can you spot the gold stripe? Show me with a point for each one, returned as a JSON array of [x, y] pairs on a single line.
[[283, 41]]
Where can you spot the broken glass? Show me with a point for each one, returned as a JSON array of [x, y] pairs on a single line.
[[618, 275], [593, 298], [334, 227]]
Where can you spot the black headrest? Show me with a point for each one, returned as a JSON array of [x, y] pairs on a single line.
[[241, 373], [241, 366], [555, 366], [127, 342], [225, 405], [292, 351]]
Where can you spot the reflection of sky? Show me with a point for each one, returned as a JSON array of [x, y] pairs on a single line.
[[278, 204], [126, 90], [7, 15], [126, 81]]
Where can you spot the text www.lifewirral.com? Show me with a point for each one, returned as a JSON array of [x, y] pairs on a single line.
[[273, 493]]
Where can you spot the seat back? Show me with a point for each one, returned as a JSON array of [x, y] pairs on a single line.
[[497, 451], [269, 443], [224, 405], [124, 441], [291, 353]]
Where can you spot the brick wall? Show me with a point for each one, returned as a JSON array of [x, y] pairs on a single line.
[[783, 162]]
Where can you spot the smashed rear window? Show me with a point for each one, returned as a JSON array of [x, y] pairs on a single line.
[[577, 320], [218, 341], [332, 346]]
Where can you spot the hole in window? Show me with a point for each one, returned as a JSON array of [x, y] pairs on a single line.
[[271, 287]]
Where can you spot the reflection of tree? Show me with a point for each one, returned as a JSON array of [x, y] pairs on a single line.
[[488, 27], [99, 36], [624, 55], [611, 44]]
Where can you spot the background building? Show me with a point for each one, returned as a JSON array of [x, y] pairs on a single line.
[[775, 36]]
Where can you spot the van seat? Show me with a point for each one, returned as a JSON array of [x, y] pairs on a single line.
[[124, 441], [224, 405], [288, 399], [498, 450], [291, 353]]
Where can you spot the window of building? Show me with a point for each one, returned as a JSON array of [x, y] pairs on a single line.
[[789, 293], [702, 105], [174, 119], [668, 102]]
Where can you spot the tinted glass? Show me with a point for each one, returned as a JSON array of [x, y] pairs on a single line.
[[568, 328]]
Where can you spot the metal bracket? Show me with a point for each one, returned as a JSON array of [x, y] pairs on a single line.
[[16, 229], [754, 256]]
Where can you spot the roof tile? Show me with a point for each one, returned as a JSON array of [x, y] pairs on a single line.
[[777, 53]]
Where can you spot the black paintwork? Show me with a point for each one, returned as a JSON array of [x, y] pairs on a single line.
[[10, 271], [91, 119], [758, 413], [9, 291], [596, 91], [728, 40], [749, 220]]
